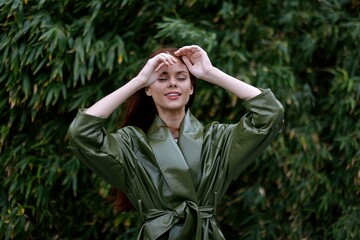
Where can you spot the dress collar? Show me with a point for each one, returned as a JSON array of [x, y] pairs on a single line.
[[178, 161]]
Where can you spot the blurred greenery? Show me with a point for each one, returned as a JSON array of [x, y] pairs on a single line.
[[58, 56]]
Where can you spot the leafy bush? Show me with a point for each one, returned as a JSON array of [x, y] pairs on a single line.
[[59, 56]]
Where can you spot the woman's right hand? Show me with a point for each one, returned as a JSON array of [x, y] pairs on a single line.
[[154, 67]]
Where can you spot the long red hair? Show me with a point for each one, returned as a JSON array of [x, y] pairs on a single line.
[[140, 110]]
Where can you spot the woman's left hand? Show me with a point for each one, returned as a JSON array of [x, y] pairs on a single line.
[[196, 59]]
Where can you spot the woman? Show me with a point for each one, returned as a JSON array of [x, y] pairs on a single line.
[[173, 169]]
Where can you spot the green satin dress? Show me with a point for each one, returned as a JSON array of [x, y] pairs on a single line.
[[176, 186]]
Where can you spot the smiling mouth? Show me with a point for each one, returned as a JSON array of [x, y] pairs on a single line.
[[172, 94]]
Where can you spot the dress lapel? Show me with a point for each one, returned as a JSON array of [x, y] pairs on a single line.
[[171, 161], [190, 143]]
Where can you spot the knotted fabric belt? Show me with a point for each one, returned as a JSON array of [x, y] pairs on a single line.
[[158, 221]]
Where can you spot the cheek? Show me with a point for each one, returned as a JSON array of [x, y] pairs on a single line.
[[190, 89], [154, 88]]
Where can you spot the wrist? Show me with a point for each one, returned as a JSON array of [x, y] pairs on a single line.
[[139, 82], [212, 75]]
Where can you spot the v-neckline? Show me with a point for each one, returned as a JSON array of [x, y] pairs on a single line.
[[182, 174]]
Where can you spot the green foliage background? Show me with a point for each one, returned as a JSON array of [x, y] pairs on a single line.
[[57, 56]]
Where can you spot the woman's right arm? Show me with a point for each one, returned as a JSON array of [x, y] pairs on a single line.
[[105, 106], [105, 153], [147, 76]]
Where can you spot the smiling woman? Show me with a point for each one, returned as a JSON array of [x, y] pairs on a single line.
[[171, 92], [174, 184]]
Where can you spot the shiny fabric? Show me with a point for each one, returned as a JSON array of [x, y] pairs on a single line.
[[176, 185]]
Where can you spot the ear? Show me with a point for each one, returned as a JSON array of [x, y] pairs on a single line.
[[147, 91], [191, 90]]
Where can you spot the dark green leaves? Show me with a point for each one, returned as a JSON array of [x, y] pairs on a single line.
[[58, 56]]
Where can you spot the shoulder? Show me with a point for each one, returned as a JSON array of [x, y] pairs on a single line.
[[216, 131], [265, 101], [130, 133], [130, 136]]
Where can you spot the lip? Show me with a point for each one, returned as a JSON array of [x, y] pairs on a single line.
[[173, 95]]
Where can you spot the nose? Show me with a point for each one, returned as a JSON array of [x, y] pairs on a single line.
[[172, 82]]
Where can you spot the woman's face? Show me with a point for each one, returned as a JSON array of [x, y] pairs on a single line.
[[172, 90]]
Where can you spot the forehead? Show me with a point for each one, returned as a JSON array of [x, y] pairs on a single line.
[[178, 67]]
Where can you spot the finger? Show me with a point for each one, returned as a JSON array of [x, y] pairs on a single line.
[[187, 62], [169, 59], [189, 51], [160, 66], [178, 53], [161, 62], [173, 59], [182, 50], [195, 48]]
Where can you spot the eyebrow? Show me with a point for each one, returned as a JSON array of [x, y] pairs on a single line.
[[179, 72]]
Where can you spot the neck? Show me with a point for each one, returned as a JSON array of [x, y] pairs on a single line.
[[173, 120]]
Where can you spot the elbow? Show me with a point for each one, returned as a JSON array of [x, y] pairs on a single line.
[[278, 115], [273, 118], [72, 134], [279, 112]]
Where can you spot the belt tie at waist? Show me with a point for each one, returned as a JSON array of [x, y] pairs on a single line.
[[158, 221]]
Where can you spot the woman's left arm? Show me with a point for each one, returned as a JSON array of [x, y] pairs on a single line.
[[243, 142], [199, 64]]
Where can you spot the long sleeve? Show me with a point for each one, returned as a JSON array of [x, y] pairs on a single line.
[[243, 142], [103, 153]]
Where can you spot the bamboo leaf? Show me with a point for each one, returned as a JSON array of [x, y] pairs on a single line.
[[59, 56], [26, 86]]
